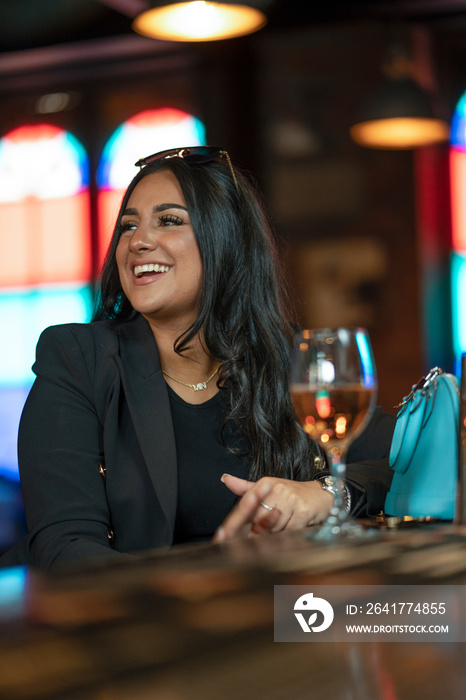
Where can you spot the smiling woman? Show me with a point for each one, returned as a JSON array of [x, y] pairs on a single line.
[[144, 426], [158, 259]]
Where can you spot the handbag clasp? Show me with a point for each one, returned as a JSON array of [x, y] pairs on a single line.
[[422, 385]]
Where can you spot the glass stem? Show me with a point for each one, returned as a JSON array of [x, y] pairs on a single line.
[[338, 471]]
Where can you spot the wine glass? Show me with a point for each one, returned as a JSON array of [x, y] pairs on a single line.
[[333, 388]]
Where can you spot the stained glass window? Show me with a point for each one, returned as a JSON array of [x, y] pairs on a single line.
[[458, 215], [145, 133], [45, 266]]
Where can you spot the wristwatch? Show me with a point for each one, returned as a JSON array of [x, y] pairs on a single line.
[[329, 483]]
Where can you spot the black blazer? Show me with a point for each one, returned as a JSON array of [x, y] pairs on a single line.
[[97, 450]]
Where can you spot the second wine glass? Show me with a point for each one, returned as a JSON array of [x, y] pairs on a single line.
[[333, 390]]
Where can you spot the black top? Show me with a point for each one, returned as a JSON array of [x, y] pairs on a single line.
[[202, 457]]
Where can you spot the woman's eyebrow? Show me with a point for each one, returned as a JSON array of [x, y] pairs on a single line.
[[158, 208], [168, 205]]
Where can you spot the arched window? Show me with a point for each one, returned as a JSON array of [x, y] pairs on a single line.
[[144, 133], [45, 266], [458, 212], [46, 263]]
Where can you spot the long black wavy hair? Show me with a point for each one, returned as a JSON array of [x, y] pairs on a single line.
[[242, 314]]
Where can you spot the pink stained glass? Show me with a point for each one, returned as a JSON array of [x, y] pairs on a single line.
[[109, 204], [44, 207], [45, 241], [458, 198]]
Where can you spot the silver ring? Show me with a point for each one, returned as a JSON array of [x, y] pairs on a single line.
[[264, 505]]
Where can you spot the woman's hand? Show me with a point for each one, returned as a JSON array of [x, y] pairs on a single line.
[[272, 505]]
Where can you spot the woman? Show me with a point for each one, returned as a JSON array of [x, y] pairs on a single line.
[[144, 426]]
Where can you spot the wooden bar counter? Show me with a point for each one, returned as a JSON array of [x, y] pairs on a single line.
[[196, 622]]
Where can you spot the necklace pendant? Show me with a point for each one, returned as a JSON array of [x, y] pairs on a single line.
[[200, 386]]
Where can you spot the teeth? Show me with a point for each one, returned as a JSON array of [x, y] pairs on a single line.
[[150, 267]]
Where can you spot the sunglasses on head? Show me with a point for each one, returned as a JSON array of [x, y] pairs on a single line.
[[192, 154]]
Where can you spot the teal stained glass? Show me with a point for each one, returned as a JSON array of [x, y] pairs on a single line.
[[24, 314]]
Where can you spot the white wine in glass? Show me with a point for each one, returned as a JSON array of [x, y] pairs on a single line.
[[333, 387]]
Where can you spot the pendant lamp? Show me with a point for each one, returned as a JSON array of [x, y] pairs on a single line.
[[400, 114], [200, 20]]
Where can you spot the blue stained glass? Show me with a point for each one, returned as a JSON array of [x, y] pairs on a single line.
[[458, 124], [11, 405], [103, 170], [80, 153]]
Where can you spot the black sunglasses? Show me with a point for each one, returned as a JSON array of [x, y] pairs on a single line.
[[192, 154]]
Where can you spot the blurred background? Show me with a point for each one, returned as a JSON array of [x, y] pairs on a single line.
[[371, 236]]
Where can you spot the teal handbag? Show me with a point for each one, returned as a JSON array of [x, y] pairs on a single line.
[[424, 451]]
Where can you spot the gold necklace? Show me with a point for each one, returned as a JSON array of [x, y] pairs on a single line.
[[195, 387]]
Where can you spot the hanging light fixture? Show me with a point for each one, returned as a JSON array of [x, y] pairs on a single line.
[[400, 114], [200, 20]]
